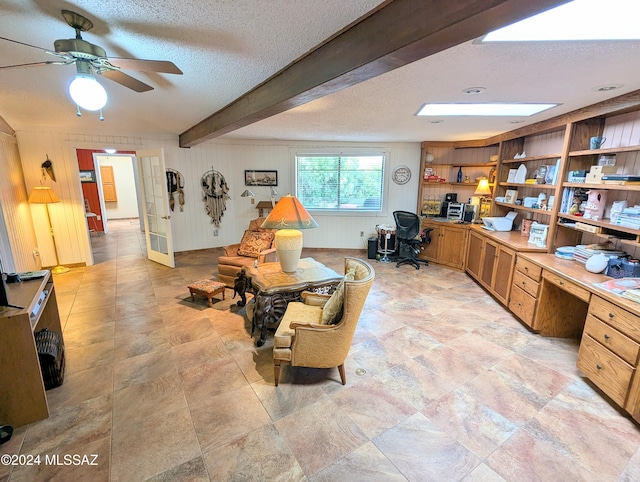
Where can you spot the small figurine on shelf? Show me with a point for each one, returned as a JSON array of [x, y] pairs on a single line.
[[460, 174], [573, 210]]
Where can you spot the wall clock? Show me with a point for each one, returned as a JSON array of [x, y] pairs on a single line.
[[401, 175]]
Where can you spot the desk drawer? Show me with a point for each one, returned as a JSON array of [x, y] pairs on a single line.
[[533, 271], [566, 285], [608, 371], [522, 305], [609, 337], [525, 283], [627, 323]]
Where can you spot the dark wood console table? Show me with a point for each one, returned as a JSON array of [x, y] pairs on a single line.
[[274, 289]]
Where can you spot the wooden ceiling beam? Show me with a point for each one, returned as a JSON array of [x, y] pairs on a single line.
[[395, 34]]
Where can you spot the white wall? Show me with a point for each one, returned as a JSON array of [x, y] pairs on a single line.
[[127, 204], [192, 228], [17, 235]]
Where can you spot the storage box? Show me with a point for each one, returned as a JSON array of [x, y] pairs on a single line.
[[594, 176]]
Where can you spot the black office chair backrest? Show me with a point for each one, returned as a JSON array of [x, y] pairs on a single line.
[[407, 224]]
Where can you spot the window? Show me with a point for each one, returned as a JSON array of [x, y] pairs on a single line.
[[335, 182]]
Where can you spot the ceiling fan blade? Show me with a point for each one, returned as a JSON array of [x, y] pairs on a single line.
[[35, 64], [162, 66], [126, 80], [22, 43]]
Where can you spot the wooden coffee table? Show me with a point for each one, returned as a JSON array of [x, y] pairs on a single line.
[[274, 289]]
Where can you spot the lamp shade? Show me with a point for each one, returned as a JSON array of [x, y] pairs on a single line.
[[289, 213], [483, 188], [247, 193], [43, 195]]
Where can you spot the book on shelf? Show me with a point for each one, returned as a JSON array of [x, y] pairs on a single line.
[[621, 177]]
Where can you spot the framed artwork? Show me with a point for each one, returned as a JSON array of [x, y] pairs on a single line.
[[87, 176], [510, 196], [512, 175], [260, 178]]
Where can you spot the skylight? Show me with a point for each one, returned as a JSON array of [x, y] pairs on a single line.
[[576, 20], [498, 109]]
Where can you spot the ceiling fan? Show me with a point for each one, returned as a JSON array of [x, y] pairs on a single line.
[[89, 57]]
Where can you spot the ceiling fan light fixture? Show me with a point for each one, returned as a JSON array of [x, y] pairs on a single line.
[[87, 92]]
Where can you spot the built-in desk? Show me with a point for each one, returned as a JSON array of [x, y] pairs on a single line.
[[568, 304], [22, 395]]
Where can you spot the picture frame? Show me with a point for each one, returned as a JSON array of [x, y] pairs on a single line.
[[87, 176], [260, 178], [510, 196], [512, 175]]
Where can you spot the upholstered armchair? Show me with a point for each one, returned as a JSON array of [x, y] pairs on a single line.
[[318, 331], [257, 244]]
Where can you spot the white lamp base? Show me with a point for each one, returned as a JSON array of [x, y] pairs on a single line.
[[289, 249]]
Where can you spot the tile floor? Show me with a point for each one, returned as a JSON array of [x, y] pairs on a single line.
[[452, 387]]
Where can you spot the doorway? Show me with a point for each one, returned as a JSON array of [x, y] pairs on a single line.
[[124, 185]]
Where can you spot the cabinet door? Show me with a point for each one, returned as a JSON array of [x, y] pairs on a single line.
[[503, 273], [474, 254], [488, 263], [430, 250], [452, 247]]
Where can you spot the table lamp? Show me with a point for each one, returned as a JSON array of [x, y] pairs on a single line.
[[45, 195], [483, 191], [288, 217]]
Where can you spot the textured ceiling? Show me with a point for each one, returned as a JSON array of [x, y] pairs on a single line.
[[225, 48]]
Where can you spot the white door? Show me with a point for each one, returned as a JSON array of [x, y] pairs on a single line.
[[153, 187]]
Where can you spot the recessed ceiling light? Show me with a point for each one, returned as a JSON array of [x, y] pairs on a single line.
[[576, 20], [607, 88], [497, 109], [474, 90]]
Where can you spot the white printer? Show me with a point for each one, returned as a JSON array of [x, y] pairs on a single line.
[[500, 223]]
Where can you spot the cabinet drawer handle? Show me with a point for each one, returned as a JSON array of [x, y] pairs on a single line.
[[526, 268], [599, 367], [606, 337], [524, 283], [561, 282], [519, 304], [610, 315]]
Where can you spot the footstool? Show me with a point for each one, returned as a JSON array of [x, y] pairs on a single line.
[[207, 288]]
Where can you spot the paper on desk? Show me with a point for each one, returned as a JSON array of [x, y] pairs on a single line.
[[620, 286]]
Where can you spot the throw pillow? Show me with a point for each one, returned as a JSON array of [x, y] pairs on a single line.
[[254, 242], [332, 310]]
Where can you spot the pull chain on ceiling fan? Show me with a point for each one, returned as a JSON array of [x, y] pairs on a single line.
[[85, 90]]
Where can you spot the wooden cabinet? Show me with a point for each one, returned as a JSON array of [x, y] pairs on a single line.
[[609, 352], [491, 264], [448, 243], [22, 398], [524, 290]]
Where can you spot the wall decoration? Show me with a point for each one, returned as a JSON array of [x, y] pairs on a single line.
[[47, 168], [260, 178], [175, 185], [215, 193], [87, 176]]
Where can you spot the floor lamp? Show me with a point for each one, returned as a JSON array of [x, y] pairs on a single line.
[[44, 195]]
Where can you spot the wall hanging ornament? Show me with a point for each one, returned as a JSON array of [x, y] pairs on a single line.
[[175, 184], [214, 194], [47, 167]]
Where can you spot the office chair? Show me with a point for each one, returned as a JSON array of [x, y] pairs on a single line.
[[407, 228]]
